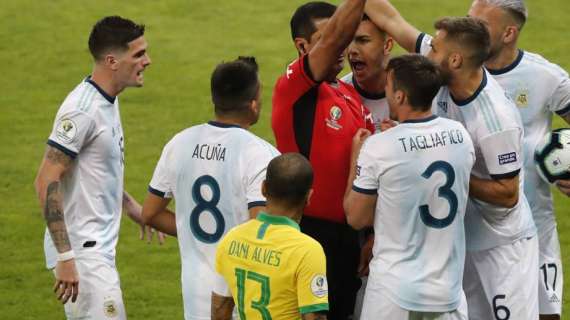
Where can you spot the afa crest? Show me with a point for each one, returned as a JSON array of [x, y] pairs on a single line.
[[521, 98]]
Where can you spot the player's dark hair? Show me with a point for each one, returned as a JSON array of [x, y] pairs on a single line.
[[470, 33], [418, 77], [288, 180], [111, 33], [303, 20], [234, 85]]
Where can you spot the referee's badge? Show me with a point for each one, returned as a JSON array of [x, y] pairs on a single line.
[[335, 113], [319, 286]]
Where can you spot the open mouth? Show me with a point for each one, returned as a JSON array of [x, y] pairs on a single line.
[[357, 65]]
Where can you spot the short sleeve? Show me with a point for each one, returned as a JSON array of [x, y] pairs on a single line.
[[502, 153], [296, 81], [221, 287], [560, 99], [311, 281], [258, 159], [367, 174], [72, 131], [163, 180], [423, 44]]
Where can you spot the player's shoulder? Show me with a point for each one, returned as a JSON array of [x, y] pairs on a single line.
[[308, 244], [79, 101], [256, 145], [544, 66]]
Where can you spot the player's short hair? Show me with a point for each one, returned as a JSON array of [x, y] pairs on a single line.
[[302, 22], [288, 179], [470, 33], [418, 77], [112, 33], [234, 85], [515, 8]]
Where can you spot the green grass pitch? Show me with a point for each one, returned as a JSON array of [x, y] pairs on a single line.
[[43, 49]]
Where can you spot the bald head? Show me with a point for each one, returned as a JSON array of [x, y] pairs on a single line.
[[288, 180]]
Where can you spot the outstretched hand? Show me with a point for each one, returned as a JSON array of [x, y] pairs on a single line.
[[133, 209]]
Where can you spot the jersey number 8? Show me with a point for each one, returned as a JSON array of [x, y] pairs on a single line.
[[203, 205]]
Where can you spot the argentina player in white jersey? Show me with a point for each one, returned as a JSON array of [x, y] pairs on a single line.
[[80, 180], [502, 247], [412, 183], [539, 89], [214, 172]]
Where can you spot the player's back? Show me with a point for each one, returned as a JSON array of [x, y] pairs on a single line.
[[215, 171], [539, 88], [422, 169], [269, 266]]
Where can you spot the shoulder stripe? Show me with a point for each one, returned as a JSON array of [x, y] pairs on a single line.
[[85, 89], [495, 126], [486, 117], [88, 101]]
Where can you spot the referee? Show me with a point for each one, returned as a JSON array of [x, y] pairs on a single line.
[[317, 115]]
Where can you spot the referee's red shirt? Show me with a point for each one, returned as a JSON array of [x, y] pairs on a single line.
[[319, 121]]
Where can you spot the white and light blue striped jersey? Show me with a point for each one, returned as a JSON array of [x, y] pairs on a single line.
[[539, 89], [495, 126], [377, 104], [88, 128], [214, 172], [420, 170]]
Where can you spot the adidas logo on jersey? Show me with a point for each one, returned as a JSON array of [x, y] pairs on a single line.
[[442, 105], [554, 298]]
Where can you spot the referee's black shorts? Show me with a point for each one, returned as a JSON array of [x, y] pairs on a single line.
[[341, 246]]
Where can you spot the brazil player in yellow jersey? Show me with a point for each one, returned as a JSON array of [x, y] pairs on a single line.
[[267, 266]]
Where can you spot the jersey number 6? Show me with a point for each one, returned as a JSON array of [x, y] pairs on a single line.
[[203, 205], [444, 192]]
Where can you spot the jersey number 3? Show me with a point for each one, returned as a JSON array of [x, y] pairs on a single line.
[[444, 192], [203, 205]]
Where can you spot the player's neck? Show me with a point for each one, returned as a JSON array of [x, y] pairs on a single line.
[[411, 114], [464, 84], [105, 81], [374, 85], [503, 59], [244, 123], [276, 210]]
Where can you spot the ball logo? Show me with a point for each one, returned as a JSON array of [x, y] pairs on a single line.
[[336, 113], [66, 130], [319, 286]]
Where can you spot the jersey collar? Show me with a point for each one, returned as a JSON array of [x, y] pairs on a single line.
[[367, 95], [279, 220], [508, 68], [107, 97], [426, 119], [222, 125], [474, 95]]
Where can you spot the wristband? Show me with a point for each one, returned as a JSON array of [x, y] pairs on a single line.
[[65, 256]]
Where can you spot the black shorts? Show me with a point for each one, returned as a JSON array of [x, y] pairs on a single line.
[[342, 250]]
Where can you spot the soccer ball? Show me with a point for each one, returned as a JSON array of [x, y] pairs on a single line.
[[552, 155]]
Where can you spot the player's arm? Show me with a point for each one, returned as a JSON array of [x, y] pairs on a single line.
[[54, 166], [383, 14], [500, 192], [222, 307], [133, 209], [314, 316], [336, 36], [358, 205], [156, 214]]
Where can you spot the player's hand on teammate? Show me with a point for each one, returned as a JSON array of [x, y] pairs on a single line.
[[387, 124], [564, 186], [359, 138], [365, 256], [66, 281], [133, 209]]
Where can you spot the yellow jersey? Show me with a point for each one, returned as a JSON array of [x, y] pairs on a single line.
[[272, 269]]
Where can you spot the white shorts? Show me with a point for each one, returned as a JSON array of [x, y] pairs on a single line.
[[550, 279], [100, 295], [378, 306], [500, 282]]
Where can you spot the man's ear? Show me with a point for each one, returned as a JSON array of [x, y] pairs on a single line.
[[308, 198], [111, 62], [301, 44], [263, 189], [455, 60], [510, 34], [388, 45]]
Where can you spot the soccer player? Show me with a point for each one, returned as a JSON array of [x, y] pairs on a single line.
[[214, 172], [316, 115], [368, 54], [270, 268], [80, 180], [419, 251], [539, 89], [500, 279]]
